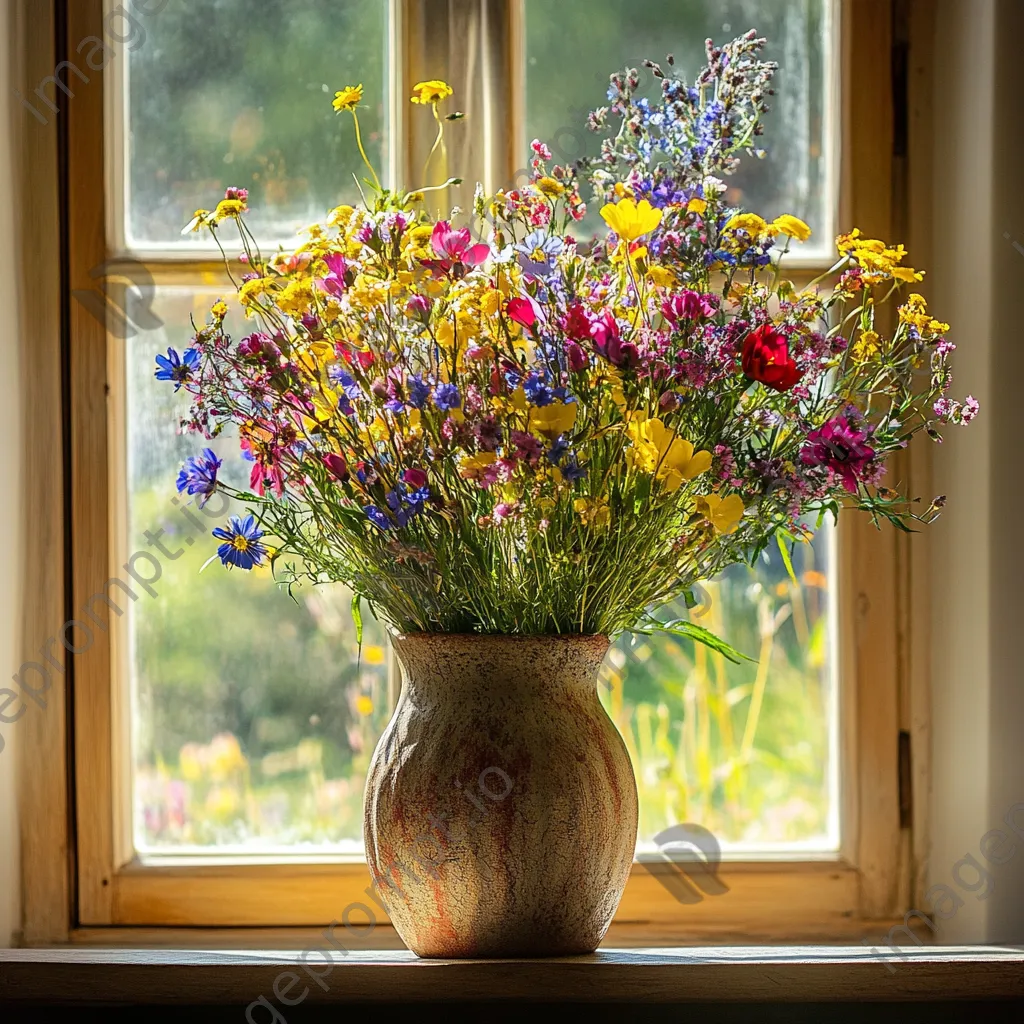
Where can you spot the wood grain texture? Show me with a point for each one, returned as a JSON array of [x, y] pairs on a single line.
[[41, 742], [723, 975], [89, 512], [870, 590]]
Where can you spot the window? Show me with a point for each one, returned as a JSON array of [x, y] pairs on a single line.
[[222, 738]]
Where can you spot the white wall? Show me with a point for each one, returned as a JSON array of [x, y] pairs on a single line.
[[977, 283], [10, 508]]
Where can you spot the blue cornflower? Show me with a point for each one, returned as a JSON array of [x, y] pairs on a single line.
[[446, 396], [378, 518], [536, 252], [572, 470], [177, 368], [199, 475], [419, 391], [241, 547], [344, 380], [536, 391], [557, 450]]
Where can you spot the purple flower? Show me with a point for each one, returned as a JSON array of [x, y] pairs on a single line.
[[839, 446], [446, 396], [199, 475], [177, 368]]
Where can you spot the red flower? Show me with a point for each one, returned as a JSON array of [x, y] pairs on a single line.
[[766, 358], [522, 311], [576, 323]]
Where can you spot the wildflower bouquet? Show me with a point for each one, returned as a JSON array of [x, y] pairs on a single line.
[[496, 428]]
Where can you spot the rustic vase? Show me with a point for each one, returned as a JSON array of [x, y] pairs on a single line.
[[501, 809]]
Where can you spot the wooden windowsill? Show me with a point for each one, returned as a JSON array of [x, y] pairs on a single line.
[[741, 974]]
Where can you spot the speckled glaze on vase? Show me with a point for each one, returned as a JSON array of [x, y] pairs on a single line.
[[501, 809]]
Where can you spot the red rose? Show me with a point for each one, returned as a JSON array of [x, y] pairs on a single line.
[[766, 358]]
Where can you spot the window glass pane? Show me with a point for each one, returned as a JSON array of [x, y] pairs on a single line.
[[254, 715], [745, 750], [564, 82], [230, 92]]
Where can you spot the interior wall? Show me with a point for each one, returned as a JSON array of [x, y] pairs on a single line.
[[10, 509], [976, 281]]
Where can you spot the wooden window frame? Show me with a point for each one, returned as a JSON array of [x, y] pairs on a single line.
[[80, 879]]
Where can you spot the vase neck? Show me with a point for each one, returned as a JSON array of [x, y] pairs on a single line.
[[436, 664]]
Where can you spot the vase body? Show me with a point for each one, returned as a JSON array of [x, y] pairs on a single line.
[[501, 808]]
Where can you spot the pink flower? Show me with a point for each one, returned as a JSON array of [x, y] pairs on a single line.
[[540, 149], [502, 511], [336, 466], [576, 356], [454, 249], [839, 446], [688, 305], [527, 447]]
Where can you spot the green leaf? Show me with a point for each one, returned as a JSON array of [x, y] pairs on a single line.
[[786, 560], [357, 618], [700, 635]]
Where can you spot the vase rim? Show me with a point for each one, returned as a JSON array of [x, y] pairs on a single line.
[[398, 634]]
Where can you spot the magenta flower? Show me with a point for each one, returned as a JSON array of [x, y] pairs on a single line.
[[688, 305], [839, 446], [608, 342], [454, 250], [334, 282]]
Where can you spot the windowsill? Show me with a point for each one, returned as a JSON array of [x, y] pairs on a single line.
[[740, 974]]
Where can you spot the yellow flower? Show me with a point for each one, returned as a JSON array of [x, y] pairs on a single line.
[[551, 187], [219, 310], [907, 274], [752, 224], [554, 419], [593, 511], [228, 208], [792, 226], [724, 514], [199, 220], [662, 276], [348, 98], [364, 704], [866, 347], [659, 450], [630, 220], [430, 92], [696, 205]]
